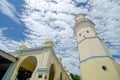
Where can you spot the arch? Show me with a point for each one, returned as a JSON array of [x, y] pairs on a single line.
[[52, 72], [61, 76], [26, 68]]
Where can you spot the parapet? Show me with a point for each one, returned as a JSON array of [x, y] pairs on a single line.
[[82, 22], [79, 16]]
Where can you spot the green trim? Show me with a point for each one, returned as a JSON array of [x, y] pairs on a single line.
[[38, 50], [43, 70], [88, 38], [33, 49], [95, 57]]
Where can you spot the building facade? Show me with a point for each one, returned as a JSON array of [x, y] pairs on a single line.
[[32, 64], [96, 63]]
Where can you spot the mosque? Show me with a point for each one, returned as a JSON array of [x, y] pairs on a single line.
[[33, 64], [96, 63]]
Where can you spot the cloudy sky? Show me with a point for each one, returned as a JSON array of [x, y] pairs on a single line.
[[31, 22]]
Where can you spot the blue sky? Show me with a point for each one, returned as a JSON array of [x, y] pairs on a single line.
[[14, 30], [31, 22]]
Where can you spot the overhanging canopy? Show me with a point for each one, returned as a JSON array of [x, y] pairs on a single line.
[[6, 58]]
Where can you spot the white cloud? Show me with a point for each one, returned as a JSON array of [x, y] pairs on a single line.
[[9, 10], [7, 44]]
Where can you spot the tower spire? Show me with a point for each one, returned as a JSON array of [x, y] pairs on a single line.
[[96, 63]]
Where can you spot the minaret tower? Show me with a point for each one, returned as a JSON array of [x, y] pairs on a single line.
[[96, 63]]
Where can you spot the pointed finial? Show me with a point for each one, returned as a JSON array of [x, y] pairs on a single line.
[[22, 47], [49, 43], [59, 58]]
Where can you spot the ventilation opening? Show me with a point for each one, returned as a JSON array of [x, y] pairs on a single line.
[[83, 35], [104, 68], [87, 31], [79, 34]]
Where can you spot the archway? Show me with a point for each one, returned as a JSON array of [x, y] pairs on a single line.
[[27, 67], [61, 76], [52, 72]]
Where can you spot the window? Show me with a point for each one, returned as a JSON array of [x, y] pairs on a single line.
[[83, 35], [87, 31], [45, 77], [79, 34], [40, 76], [104, 67]]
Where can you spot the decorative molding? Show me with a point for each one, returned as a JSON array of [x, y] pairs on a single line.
[[88, 38], [43, 70], [95, 57]]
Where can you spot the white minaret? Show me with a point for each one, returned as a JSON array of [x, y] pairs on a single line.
[[96, 63]]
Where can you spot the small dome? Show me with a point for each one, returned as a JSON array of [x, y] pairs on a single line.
[[79, 16]]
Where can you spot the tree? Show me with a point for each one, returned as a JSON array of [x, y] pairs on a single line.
[[75, 76]]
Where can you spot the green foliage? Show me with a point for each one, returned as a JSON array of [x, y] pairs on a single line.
[[75, 77]]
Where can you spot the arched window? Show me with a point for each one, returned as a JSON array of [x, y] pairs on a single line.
[[61, 77], [52, 72]]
